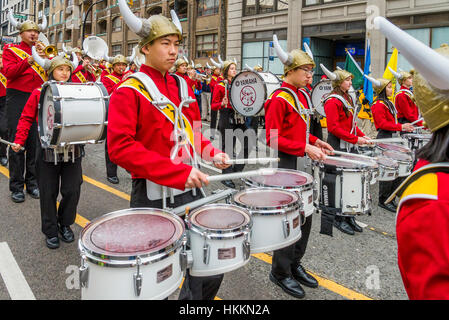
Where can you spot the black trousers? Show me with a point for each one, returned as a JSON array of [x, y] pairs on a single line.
[[21, 164], [213, 119], [64, 177], [288, 258], [111, 168], [3, 127], [193, 288]]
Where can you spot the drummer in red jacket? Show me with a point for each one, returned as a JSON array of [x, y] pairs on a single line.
[[85, 72], [286, 121], [422, 223], [63, 176], [387, 125], [141, 135]]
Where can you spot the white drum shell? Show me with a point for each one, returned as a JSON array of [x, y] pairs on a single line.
[[112, 283]]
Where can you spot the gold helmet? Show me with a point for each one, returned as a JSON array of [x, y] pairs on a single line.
[[119, 59], [378, 84], [295, 58], [59, 60], [337, 77], [401, 76], [28, 24], [223, 65], [180, 62], [150, 29], [430, 78]]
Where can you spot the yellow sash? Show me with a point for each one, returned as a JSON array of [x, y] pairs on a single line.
[[23, 55], [168, 111], [3, 79], [80, 76], [114, 79], [291, 101]]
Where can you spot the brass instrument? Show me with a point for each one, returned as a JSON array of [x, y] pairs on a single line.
[[43, 46]]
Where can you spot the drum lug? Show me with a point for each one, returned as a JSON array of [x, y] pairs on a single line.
[[138, 279], [206, 253], [286, 227], [246, 245], [186, 257], [84, 272], [302, 215]]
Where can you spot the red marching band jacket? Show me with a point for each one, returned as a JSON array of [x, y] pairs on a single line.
[[406, 107], [191, 83], [338, 123], [111, 81], [218, 94], [285, 128], [383, 118], [20, 74], [28, 116], [422, 226], [81, 75], [3, 84], [140, 137]]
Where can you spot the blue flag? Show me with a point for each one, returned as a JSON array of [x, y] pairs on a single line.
[[367, 85]]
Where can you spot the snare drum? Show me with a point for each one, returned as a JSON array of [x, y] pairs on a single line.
[[344, 186], [404, 160], [388, 169], [417, 141], [131, 254], [293, 180], [219, 239], [382, 147], [373, 165], [276, 217], [250, 89], [72, 113]]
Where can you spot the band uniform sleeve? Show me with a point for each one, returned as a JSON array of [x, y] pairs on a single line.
[[28, 116], [13, 67], [336, 118], [406, 107], [381, 115], [423, 248]]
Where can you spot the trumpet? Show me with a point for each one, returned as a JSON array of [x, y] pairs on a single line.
[[201, 77], [50, 51]]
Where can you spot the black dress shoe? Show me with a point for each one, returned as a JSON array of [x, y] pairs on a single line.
[[18, 196], [301, 275], [389, 206], [4, 161], [229, 184], [354, 225], [343, 226], [66, 234], [113, 180], [52, 243], [289, 285], [34, 193]]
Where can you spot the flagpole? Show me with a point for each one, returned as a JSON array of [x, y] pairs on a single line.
[[353, 60]]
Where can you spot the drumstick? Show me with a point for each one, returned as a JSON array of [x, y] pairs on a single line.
[[353, 154], [11, 144], [346, 160], [252, 161], [246, 174]]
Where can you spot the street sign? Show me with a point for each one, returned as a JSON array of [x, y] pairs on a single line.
[[271, 51], [19, 16]]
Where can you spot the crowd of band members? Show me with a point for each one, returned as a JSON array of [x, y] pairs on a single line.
[[20, 90]]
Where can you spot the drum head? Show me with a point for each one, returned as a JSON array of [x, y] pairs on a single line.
[[219, 217], [344, 164], [319, 93], [132, 232], [369, 163], [398, 156], [387, 162], [283, 178], [393, 147], [249, 91], [265, 198], [49, 114]]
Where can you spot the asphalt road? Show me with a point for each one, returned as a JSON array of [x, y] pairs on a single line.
[[363, 266]]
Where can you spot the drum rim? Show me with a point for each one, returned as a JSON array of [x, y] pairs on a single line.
[[263, 82], [373, 161], [127, 260], [219, 234], [296, 203], [406, 149], [305, 187], [400, 161], [357, 168], [57, 119]]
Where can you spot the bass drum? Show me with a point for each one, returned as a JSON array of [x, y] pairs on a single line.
[[249, 91], [321, 91]]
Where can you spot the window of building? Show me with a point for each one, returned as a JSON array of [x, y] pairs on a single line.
[[316, 2], [53, 21], [117, 24], [258, 49], [207, 45], [154, 11], [60, 36], [116, 49], [208, 7], [131, 47], [181, 8], [252, 7], [61, 16]]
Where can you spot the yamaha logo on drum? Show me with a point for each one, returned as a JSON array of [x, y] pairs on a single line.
[[245, 82]]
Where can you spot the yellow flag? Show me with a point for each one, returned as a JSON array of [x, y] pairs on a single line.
[[393, 64]]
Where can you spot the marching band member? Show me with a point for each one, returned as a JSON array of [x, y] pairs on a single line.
[[386, 122], [3, 130], [85, 72], [287, 131], [404, 99], [23, 76], [343, 132], [110, 81], [206, 95], [64, 177], [215, 79], [140, 134], [182, 66], [422, 222]]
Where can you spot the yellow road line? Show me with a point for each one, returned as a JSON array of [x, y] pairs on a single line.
[[103, 186]]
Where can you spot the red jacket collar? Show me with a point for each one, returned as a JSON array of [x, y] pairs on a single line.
[[156, 75]]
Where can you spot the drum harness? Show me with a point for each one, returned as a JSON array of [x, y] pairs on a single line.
[[160, 101]]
